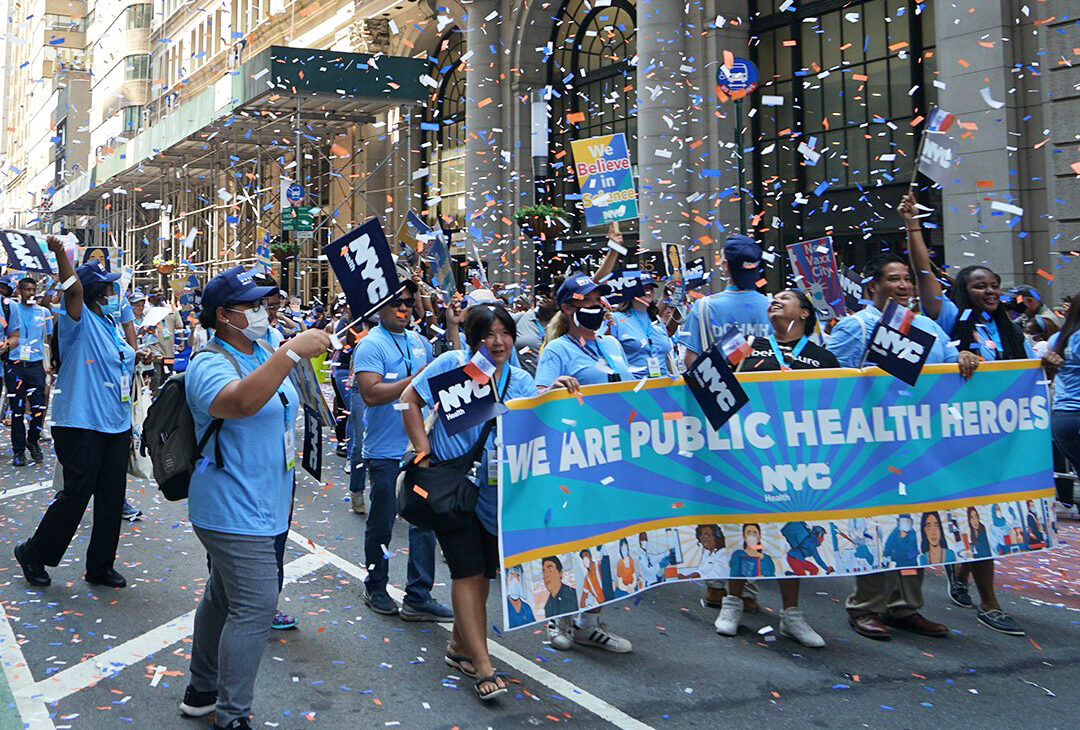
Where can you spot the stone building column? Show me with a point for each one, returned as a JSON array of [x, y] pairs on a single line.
[[662, 113], [484, 194]]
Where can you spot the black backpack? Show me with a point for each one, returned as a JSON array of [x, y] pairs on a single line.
[[169, 434]]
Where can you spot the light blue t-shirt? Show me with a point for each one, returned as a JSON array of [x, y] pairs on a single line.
[[745, 309], [274, 337], [252, 493], [127, 314], [587, 363], [851, 335], [641, 339], [96, 363], [394, 357], [444, 446], [987, 336], [33, 323], [1067, 381]]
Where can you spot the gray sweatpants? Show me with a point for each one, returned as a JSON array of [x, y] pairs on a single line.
[[233, 619], [889, 593]]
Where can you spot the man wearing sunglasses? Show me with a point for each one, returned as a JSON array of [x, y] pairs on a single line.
[[385, 362]]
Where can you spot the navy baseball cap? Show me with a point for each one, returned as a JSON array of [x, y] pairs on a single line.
[[743, 255], [234, 285], [579, 284], [94, 273]]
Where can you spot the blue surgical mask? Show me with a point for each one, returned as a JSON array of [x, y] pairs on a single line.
[[111, 307]]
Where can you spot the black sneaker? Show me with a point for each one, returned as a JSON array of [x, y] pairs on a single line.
[[430, 611], [240, 723], [20, 459], [958, 589], [35, 453], [198, 704], [380, 602], [35, 573], [1000, 621], [110, 578]]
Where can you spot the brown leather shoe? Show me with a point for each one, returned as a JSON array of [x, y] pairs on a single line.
[[870, 626], [714, 597], [918, 624]]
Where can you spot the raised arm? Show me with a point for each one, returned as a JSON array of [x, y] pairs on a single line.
[[73, 292], [919, 255], [614, 236]]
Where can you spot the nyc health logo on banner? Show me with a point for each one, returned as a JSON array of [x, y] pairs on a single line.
[[606, 179]]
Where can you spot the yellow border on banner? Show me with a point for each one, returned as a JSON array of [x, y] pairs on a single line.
[[763, 377], [735, 519]]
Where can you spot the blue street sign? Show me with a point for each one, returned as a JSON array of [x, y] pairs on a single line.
[[742, 76], [295, 193]]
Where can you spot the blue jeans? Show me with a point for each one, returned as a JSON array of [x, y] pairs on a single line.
[[358, 473], [1065, 427], [382, 512]]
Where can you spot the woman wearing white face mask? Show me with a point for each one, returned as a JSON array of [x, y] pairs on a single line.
[[574, 349], [239, 505], [91, 425]]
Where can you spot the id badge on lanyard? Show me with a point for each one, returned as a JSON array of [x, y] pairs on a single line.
[[493, 466], [25, 351], [290, 435], [654, 366]]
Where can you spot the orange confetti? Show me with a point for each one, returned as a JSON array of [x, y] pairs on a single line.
[[963, 63], [1045, 275], [575, 117], [729, 59], [565, 490], [672, 416], [775, 694], [484, 102], [894, 470], [677, 505], [984, 183]]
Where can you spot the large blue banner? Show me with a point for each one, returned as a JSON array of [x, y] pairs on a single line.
[[823, 472]]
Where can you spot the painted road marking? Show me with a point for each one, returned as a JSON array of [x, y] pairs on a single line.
[[20, 679], [557, 684], [27, 489], [112, 662]]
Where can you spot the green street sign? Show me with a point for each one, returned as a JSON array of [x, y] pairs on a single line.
[[298, 218]]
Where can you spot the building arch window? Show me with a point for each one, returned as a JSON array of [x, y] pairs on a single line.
[[591, 73], [444, 131]]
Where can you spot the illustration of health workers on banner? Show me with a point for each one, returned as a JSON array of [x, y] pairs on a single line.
[[606, 179]]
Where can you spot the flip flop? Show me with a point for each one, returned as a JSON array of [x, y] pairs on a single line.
[[454, 661], [493, 679]]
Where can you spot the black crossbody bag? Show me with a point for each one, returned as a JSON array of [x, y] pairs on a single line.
[[441, 495]]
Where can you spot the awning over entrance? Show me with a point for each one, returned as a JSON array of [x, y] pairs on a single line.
[[327, 89]]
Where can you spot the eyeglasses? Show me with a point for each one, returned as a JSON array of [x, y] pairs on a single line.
[[256, 308], [398, 302]]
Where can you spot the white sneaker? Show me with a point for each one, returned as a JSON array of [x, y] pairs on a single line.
[[599, 635], [1066, 511], [731, 611], [794, 626], [358, 506], [560, 632]]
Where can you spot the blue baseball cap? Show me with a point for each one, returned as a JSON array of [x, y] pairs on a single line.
[[93, 272], [743, 255], [579, 284], [137, 296], [234, 285]]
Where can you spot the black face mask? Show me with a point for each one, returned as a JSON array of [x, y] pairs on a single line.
[[589, 317]]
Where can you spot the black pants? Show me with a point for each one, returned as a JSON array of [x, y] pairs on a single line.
[[25, 386], [95, 465]]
